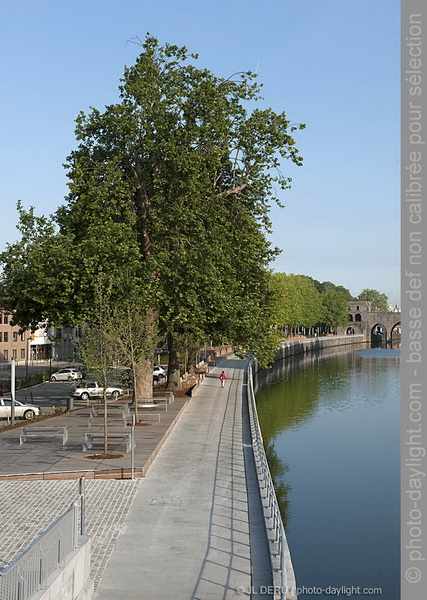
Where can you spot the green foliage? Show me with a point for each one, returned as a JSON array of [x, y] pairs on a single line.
[[297, 301], [300, 301], [173, 184], [379, 300], [327, 285], [334, 308]]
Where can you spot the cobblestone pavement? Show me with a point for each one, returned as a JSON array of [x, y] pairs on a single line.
[[29, 507]]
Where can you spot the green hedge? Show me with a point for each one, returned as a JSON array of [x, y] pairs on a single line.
[[24, 382]]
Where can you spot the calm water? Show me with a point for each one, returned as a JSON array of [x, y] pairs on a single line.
[[331, 425]]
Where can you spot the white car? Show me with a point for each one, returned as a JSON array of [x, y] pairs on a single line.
[[66, 375], [159, 371], [26, 411]]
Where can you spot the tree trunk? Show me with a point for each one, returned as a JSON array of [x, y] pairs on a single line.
[[192, 359], [173, 364], [144, 368], [105, 419], [144, 378]]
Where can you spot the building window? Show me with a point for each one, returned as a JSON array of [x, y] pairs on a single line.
[[23, 337], [5, 319], [5, 337], [14, 354], [1, 318], [1, 336], [15, 336], [22, 353], [358, 317], [6, 355]]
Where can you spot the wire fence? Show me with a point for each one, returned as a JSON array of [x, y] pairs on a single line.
[[283, 574], [30, 571]]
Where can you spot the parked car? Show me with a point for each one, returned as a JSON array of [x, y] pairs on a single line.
[[82, 370], [66, 375], [159, 371], [127, 376], [92, 389], [22, 410]]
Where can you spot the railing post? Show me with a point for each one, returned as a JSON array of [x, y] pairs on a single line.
[[133, 447], [82, 504]]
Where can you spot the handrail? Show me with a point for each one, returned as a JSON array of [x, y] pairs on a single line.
[[283, 574], [30, 571]]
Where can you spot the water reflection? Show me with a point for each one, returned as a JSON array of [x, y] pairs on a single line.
[[330, 423], [284, 400]]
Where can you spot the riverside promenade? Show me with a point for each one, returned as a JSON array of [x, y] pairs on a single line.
[[195, 529]]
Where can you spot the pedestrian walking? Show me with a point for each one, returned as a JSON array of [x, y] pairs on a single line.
[[223, 377]]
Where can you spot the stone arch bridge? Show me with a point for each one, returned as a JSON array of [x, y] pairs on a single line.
[[362, 320]]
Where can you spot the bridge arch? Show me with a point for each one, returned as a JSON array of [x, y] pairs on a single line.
[[378, 335], [395, 333]]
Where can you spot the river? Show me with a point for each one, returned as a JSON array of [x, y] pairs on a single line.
[[330, 423]]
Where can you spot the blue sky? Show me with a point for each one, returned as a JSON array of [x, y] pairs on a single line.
[[333, 65]]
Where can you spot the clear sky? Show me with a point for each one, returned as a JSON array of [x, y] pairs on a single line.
[[331, 64]]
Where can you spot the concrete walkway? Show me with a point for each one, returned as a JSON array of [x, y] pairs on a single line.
[[188, 534]]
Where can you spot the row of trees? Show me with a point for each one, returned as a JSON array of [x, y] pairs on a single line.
[[168, 207], [303, 302], [163, 232]]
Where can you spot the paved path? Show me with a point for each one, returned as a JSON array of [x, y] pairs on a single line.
[[29, 507], [188, 533], [51, 456]]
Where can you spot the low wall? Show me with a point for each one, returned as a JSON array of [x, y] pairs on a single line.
[[305, 349], [305, 345], [72, 581], [319, 343]]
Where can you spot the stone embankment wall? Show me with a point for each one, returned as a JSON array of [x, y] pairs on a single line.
[[306, 345], [318, 343]]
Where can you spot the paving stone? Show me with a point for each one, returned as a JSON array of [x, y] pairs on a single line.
[[29, 507]]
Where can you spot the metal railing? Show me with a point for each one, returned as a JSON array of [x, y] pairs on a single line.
[[281, 564], [30, 571]]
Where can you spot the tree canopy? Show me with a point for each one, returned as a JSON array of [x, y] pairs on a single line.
[[173, 184], [378, 299], [300, 301]]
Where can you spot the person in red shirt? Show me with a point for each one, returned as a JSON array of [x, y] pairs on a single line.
[[223, 377]]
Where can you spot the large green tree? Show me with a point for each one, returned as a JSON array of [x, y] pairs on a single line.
[[173, 182], [297, 302], [379, 300], [335, 311]]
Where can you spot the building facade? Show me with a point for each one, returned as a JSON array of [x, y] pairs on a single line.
[[13, 343]]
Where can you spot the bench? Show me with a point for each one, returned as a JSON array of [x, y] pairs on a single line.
[[94, 411], [110, 419], [97, 439], [155, 401], [143, 418], [38, 433]]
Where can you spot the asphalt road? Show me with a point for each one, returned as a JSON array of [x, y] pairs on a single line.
[[51, 393], [55, 393]]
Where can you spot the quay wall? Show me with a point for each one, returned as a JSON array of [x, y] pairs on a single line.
[[318, 343], [305, 346]]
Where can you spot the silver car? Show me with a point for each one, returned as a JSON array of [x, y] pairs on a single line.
[[91, 389], [26, 411], [66, 375]]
